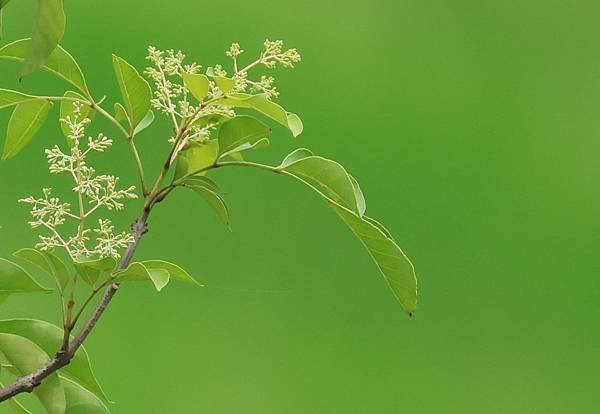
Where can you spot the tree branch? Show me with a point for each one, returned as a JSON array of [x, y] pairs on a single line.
[[62, 358]]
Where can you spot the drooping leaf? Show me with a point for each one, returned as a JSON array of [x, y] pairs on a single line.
[[380, 227], [196, 158], [329, 175], [27, 357], [197, 84], [60, 62], [203, 181], [27, 118], [67, 109], [48, 262], [214, 200], [49, 29], [121, 113], [145, 123], [137, 272], [262, 104], [90, 270], [294, 156], [236, 152], [14, 279], [49, 338], [175, 271], [225, 84], [10, 98], [135, 90], [240, 130], [81, 401]]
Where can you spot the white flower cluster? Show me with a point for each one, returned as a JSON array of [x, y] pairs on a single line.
[[93, 192], [171, 95]]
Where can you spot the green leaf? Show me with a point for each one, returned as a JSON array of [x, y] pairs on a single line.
[[67, 109], [49, 338], [25, 121], [49, 29], [212, 119], [294, 156], [48, 262], [235, 153], [241, 130], [225, 84], [10, 98], [27, 357], [121, 113], [135, 90], [14, 279], [17, 407], [330, 176], [196, 158], [361, 204], [90, 270], [262, 104], [80, 400], [60, 62], [214, 200], [174, 271], [203, 181], [197, 84], [137, 271], [144, 123]]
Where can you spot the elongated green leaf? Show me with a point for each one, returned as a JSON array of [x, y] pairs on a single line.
[[212, 119], [262, 104], [121, 113], [47, 261], [241, 130], [67, 109], [135, 90], [236, 152], [26, 120], [10, 98], [175, 271], [145, 123], [361, 204], [28, 357], [49, 338], [197, 84], [214, 200], [294, 156], [225, 84], [80, 400], [90, 270], [60, 62], [17, 407], [203, 181], [137, 272], [329, 175], [196, 158], [49, 29], [14, 279]]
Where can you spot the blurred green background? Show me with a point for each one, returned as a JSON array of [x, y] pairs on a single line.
[[473, 129]]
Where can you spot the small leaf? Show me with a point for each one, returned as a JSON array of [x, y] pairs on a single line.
[[137, 271], [294, 156], [49, 29], [241, 130], [196, 158], [235, 153], [212, 119], [145, 123], [25, 121], [14, 279], [47, 262], [67, 109], [361, 204], [81, 401], [121, 113], [175, 271], [60, 62], [214, 200], [135, 90], [90, 270], [262, 104], [329, 175], [17, 407], [49, 338], [27, 357], [10, 98], [197, 84], [226, 85], [202, 181]]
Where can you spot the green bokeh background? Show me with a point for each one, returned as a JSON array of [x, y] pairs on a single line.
[[473, 129]]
